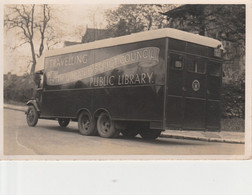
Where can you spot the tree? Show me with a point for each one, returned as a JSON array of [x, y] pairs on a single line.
[[18, 88], [223, 22], [132, 18], [32, 25]]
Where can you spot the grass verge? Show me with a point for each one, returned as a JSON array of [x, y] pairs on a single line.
[[233, 124]]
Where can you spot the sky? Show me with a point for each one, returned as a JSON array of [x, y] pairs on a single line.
[[71, 18]]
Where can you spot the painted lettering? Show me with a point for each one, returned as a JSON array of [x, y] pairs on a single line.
[[150, 76], [145, 57], [137, 80], [139, 54], [131, 79], [126, 79], [143, 78], [111, 80]]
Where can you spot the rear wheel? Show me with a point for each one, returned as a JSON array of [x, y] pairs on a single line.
[[32, 116], [105, 126], [63, 122], [150, 134], [86, 124]]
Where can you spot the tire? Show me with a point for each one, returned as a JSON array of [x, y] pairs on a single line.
[[131, 131], [86, 124], [150, 134], [63, 122], [31, 116], [105, 126]]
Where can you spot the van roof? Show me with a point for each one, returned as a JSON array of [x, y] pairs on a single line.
[[136, 37]]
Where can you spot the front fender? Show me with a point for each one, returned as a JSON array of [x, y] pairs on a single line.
[[34, 103]]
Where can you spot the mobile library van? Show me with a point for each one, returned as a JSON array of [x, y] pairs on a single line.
[[140, 83]]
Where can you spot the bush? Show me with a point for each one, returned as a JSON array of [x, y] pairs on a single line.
[[18, 88], [233, 99]]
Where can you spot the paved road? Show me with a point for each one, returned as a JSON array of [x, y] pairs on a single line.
[[47, 138]]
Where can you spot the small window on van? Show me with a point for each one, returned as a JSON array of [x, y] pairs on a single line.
[[177, 61], [196, 65], [214, 68]]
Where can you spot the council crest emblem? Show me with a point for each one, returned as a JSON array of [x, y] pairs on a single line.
[[196, 85]]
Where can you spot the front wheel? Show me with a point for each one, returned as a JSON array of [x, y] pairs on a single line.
[[63, 122], [32, 116], [150, 134], [105, 126]]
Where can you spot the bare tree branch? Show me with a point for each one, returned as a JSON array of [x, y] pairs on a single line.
[[43, 26], [23, 17], [19, 45]]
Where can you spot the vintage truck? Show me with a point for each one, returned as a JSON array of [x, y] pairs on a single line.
[[140, 83]]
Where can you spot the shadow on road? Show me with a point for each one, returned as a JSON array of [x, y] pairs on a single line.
[[163, 141], [159, 141], [58, 128]]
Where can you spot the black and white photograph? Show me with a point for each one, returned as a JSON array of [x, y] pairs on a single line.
[[125, 97], [135, 80]]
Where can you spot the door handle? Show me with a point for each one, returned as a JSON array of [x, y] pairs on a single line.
[[184, 89], [208, 92]]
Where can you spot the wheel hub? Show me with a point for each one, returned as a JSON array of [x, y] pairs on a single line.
[[106, 126], [30, 115], [86, 125]]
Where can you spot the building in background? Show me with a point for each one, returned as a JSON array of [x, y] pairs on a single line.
[[91, 34]]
